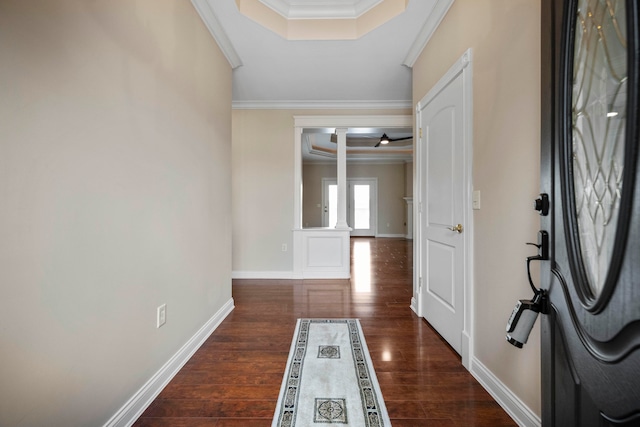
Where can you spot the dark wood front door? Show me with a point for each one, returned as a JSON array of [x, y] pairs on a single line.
[[590, 122]]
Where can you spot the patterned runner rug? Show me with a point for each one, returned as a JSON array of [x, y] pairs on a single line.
[[330, 378]]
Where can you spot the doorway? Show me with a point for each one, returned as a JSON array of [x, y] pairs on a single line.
[[443, 191], [324, 253], [362, 205], [590, 334]]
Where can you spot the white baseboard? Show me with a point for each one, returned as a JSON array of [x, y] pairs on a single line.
[[466, 350], [414, 305], [516, 409], [129, 413], [284, 275], [394, 236]]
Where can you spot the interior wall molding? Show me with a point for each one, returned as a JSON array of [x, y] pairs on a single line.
[[362, 121], [510, 402], [212, 23], [350, 10], [436, 16], [140, 401], [322, 105]]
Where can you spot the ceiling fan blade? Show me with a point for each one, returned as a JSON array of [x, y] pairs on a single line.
[[400, 139], [377, 145]]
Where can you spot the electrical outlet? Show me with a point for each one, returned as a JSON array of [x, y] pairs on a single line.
[[161, 315], [284, 247]]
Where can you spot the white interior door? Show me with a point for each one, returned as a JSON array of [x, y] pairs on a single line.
[[361, 205], [443, 207]]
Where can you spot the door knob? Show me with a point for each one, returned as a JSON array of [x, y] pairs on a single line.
[[457, 228]]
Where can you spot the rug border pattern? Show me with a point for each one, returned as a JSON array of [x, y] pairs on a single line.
[[370, 394]]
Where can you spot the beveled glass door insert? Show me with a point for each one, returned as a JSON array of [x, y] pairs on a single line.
[[599, 108]]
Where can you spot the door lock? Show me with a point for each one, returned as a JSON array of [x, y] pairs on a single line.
[[526, 312], [541, 204], [457, 228]]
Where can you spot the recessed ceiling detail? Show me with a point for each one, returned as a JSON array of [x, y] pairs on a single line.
[[319, 145], [321, 19], [321, 9]]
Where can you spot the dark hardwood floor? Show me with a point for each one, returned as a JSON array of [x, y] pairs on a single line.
[[234, 378]]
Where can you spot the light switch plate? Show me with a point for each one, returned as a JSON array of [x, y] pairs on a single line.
[[161, 315], [476, 200]]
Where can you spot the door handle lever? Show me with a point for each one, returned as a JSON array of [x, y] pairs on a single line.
[[540, 295], [457, 228]]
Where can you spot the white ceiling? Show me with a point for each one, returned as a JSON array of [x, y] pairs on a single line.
[[272, 72]]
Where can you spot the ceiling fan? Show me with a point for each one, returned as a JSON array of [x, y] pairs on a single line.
[[384, 139]]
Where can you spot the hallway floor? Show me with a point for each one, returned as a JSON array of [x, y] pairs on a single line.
[[234, 378]]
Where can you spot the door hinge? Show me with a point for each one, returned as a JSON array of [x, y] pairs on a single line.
[[420, 284], [420, 132]]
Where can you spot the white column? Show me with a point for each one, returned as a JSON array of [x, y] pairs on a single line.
[[297, 174], [342, 179]]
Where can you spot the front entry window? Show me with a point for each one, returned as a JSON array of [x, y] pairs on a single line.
[[599, 100]]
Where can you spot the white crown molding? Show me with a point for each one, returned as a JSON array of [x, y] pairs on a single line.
[[436, 16], [330, 10], [371, 121], [219, 35], [322, 105]]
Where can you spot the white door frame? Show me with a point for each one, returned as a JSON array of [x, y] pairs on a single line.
[[373, 205], [463, 66], [304, 263], [373, 183]]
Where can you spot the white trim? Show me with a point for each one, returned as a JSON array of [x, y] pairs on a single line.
[[458, 67], [462, 66], [436, 16], [321, 11], [516, 408], [321, 105], [282, 275], [219, 35], [391, 236], [414, 305], [137, 404], [383, 121]]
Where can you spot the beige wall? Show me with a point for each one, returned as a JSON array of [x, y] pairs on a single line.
[[408, 180], [505, 37], [263, 180], [115, 145], [391, 187]]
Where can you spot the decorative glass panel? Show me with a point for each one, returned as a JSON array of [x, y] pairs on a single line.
[[599, 116]]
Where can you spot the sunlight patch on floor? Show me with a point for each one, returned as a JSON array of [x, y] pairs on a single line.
[[362, 267]]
